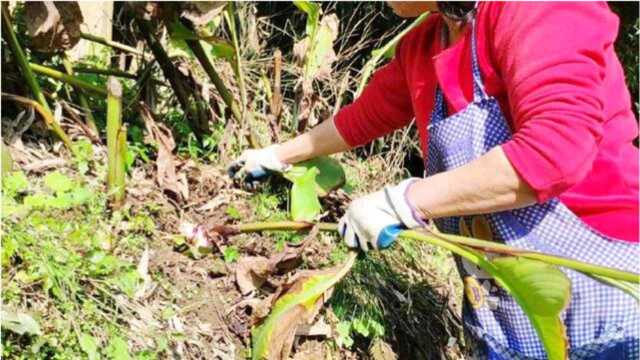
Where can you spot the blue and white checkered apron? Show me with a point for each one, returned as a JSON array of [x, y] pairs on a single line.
[[602, 322]]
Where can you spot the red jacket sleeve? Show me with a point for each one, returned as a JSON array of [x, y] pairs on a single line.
[[383, 106], [551, 57]]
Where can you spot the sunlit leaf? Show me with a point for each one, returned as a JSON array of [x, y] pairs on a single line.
[[543, 292], [14, 183], [118, 349], [19, 323], [58, 182], [274, 337], [89, 345], [305, 205], [331, 174], [313, 12]]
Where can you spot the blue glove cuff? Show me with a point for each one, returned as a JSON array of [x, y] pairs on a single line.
[[388, 235]]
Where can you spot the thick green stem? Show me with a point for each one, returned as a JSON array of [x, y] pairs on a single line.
[[84, 104], [115, 171], [457, 245], [69, 79]]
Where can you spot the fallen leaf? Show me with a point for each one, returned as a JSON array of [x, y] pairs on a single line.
[[19, 323], [299, 305], [319, 328], [167, 178], [251, 273]]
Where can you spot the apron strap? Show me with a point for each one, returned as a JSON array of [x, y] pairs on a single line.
[[479, 92]]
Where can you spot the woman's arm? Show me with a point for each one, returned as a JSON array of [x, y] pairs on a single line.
[[323, 139], [485, 185]]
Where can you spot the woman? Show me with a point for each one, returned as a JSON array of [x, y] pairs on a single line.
[[526, 127]]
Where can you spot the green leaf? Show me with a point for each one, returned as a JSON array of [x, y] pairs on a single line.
[[7, 161], [128, 282], [344, 334], [58, 182], [15, 183], [118, 349], [299, 304], [305, 205], [89, 345], [233, 212], [313, 12], [230, 254], [19, 323], [331, 175], [543, 292]]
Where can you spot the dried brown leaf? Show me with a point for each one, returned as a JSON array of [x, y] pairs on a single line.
[[167, 177]]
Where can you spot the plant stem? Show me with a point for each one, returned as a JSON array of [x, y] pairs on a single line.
[[379, 53], [21, 58], [196, 117], [247, 121], [113, 44], [115, 172], [457, 245], [69, 79], [84, 104], [46, 116], [98, 71]]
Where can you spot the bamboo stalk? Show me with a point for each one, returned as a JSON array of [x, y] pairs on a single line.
[[114, 44], [69, 79], [46, 116], [114, 124], [84, 104], [445, 240]]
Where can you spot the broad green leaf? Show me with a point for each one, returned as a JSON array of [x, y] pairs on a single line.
[[343, 329], [19, 323], [299, 304], [331, 174], [118, 349], [89, 345], [58, 182], [305, 205], [543, 292]]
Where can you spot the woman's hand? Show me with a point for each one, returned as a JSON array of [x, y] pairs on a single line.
[[375, 220], [254, 164]]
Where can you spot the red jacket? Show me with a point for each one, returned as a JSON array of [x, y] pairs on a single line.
[[553, 68]]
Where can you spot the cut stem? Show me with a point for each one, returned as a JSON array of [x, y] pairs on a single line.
[[457, 245], [115, 173]]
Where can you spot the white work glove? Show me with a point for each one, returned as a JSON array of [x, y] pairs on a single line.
[[375, 220], [254, 164]]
